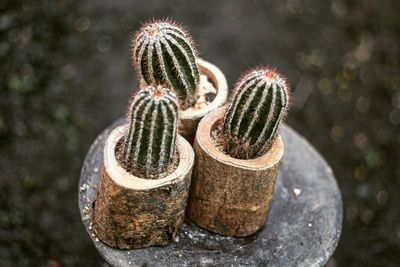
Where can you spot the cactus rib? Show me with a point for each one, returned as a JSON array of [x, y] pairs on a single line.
[[251, 121], [149, 145], [162, 53]]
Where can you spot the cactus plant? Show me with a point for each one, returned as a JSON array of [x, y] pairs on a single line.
[[259, 103], [162, 53], [149, 145]]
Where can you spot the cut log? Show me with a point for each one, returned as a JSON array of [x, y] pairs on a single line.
[[230, 196], [132, 212]]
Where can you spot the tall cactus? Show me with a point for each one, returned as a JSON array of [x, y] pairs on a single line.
[[162, 53], [259, 103], [149, 146]]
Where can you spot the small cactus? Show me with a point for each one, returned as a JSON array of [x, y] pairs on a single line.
[[149, 145], [162, 54], [251, 121]]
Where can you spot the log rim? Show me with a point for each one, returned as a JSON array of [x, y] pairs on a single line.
[[203, 140], [221, 85], [127, 180]]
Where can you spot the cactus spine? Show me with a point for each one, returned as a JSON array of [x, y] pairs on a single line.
[[162, 54], [253, 116], [149, 145]]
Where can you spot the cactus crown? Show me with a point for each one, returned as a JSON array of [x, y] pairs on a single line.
[[149, 145], [162, 54], [251, 121]]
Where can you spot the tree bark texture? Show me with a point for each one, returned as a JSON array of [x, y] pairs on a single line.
[[230, 196], [132, 212]]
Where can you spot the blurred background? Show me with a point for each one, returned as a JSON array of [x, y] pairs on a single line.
[[65, 75]]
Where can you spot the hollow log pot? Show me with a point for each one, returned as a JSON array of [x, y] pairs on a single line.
[[230, 196], [132, 212], [303, 226]]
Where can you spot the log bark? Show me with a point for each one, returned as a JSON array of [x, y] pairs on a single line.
[[230, 196], [132, 212]]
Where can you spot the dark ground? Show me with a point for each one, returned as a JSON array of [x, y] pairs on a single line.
[[65, 76]]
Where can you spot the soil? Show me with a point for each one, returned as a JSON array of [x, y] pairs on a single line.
[[66, 75], [217, 138], [205, 93]]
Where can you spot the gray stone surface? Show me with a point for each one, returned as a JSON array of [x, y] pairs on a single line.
[[302, 229]]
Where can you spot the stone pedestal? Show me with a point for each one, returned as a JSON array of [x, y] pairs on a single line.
[[303, 227]]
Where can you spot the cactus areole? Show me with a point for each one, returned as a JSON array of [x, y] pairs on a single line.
[[162, 53], [252, 119], [149, 145]]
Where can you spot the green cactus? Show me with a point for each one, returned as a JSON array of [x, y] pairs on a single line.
[[149, 145], [162, 53], [251, 121]]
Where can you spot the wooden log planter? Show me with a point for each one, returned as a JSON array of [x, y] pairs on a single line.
[[230, 196], [304, 220], [132, 212]]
